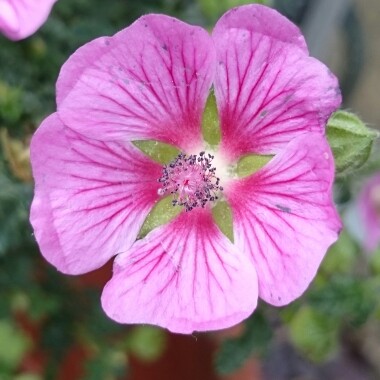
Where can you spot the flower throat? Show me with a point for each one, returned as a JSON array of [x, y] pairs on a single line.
[[191, 179]]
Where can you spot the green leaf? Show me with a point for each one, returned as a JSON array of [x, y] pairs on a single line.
[[351, 141], [234, 352], [162, 213], [314, 334]]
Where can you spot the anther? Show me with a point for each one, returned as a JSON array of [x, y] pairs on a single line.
[[191, 179]]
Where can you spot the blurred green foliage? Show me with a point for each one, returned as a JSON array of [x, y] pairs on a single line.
[[14, 212], [314, 333], [341, 257], [146, 342], [11, 355], [213, 9], [255, 339]]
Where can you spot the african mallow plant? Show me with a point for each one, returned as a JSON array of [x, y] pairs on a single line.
[[121, 97]]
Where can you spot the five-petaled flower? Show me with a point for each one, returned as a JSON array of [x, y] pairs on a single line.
[[150, 81], [21, 18]]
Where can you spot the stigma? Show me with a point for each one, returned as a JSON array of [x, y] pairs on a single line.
[[191, 179]]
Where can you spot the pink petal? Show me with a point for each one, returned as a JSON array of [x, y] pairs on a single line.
[[184, 276], [91, 197], [21, 18], [73, 69], [149, 81], [267, 88], [260, 19], [284, 217], [369, 212]]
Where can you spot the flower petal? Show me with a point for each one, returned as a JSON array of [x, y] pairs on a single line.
[[73, 69], [91, 197], [267, 88], [20, 19], [184, 276], [284, 217], [260, 19], [149, 81]]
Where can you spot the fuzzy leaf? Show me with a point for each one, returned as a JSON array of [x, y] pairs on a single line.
[[351, 141]]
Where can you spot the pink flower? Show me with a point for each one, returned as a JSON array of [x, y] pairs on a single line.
[[21, 18], [368, 207], [150, 81]]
